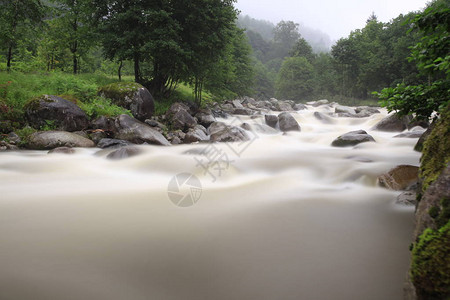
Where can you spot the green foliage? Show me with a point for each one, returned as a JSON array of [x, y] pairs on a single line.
[[24, 134], [302, 49], [430, 268], [99, 106], [295, 79], [436, 150]]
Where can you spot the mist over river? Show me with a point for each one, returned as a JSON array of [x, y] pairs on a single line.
[[287, 217]]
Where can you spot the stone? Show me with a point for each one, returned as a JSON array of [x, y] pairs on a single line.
[[271, 120], [400, 177], [57, 112], [195, 135], [352, 138], [283, 106], [104, 123], [205, 117], [45, 140], [178, 116], [137, 132], [220, 132], [323, 118], [237, 104], [124, 152], [407, 198], [112, 143], [243, 111], [4, 146], [13, 138], [393, 123], [287, 122], [97, 135], [344, 109], [300, 106], [132, 96], [320, 103]]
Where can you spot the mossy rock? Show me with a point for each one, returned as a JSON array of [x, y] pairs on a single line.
[[132, 96], [430, 268], [436, 150]]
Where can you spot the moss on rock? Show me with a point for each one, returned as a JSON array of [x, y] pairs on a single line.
[[436, 151], [430, 268], [119, 91]]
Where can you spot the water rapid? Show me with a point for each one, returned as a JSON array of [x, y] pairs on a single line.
[[283, 216]]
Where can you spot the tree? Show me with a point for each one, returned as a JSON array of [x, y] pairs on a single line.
[[18, 17], [285, 36], [432, 58], [303, 49], [295, 80]]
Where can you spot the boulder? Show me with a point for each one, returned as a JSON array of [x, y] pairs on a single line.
[[271, 120], [178, 116], [319, 103], [407, 198], [59, 112], [287, 122], [344, 109], [104, 123], [44, 140], [352, 138], [400, 177], [132, 96], [220, 132], [300, 106], [243, 111], [112, 143], [124, 152], [415, 132], [195, 135], [97, 135], [134, 131], [237, 104], [323, 118], [283, 106], [393, 123], [6, 146], [366, 111], [205, 117]]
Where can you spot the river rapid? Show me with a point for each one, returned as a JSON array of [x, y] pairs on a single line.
[[278, 217]]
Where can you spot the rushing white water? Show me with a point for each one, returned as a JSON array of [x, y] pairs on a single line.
[[289, 218]]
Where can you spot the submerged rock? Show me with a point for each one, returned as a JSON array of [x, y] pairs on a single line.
[[124, 152], [287, 122], [393, 123], [323, 118], [55, 112], [44, 140], [62, 150], [400, 177], [112, 143], [271, 120], [352, 138], [220, 132]]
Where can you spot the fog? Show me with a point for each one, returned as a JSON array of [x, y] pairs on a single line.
[[336, 18]]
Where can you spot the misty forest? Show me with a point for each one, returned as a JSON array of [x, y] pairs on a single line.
[[185, 150]]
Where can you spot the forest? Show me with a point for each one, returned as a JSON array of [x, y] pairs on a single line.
[[207, 47]]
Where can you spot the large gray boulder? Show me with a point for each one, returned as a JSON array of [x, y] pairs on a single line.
[[393, 123], [400, 177], [134, 131], [179, 117], [132, 96], [352, 138], [57, 112], [287, 122], [220, 132], [345, 110], [283, 106], [112, 143], [271, 120], [124, 152], [323, 118], [195, 135], [45, 140], [205, 117]]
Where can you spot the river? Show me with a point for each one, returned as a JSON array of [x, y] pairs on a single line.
[[278, 217]]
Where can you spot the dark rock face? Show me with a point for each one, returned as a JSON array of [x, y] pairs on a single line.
[[300, 106], [112, 143], [400, 177], [124, 152], [271, 120], [352, 138], [134, 131], [45, 140], [416, 132], [205, 117], [283, 106], [4, 146], [179, 117], [65, 115], [104, 123], [393, 123], [220, 132], [287, 122], [366, 111], [132, 96], [323, 118], [243, 111], [195, 135]]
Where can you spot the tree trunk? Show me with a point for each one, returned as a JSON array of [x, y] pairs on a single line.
[[119, 71], [75, 64], [8, 64], [137, 77]]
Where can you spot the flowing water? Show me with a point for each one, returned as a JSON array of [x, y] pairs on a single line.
[[279, 217]]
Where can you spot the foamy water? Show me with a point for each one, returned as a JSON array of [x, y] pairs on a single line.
[[280, 217]]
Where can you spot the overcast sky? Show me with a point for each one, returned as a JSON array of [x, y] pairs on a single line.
[[334, 17]]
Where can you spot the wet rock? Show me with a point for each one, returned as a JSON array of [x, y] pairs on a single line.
[[195, 135], [205, 117], [300, 106], [4, 146], [248, 100], [393, 123], [407, 198], [44, 140], [366, 111], [271, 120], [132, 96], [415, 132], [419, 146], [323, 118], [155, 124], [13, 138], [243, 111], [134, 131], [112, 143], [345, 109], [98, 135], [63, 114], [105, 123], [220, 132], [62, 150], [283, 106], [287, 122], [352, 138], [124, 152], [246, 126], [237, 104], [179, 117], [319, 103], [400, 177]]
